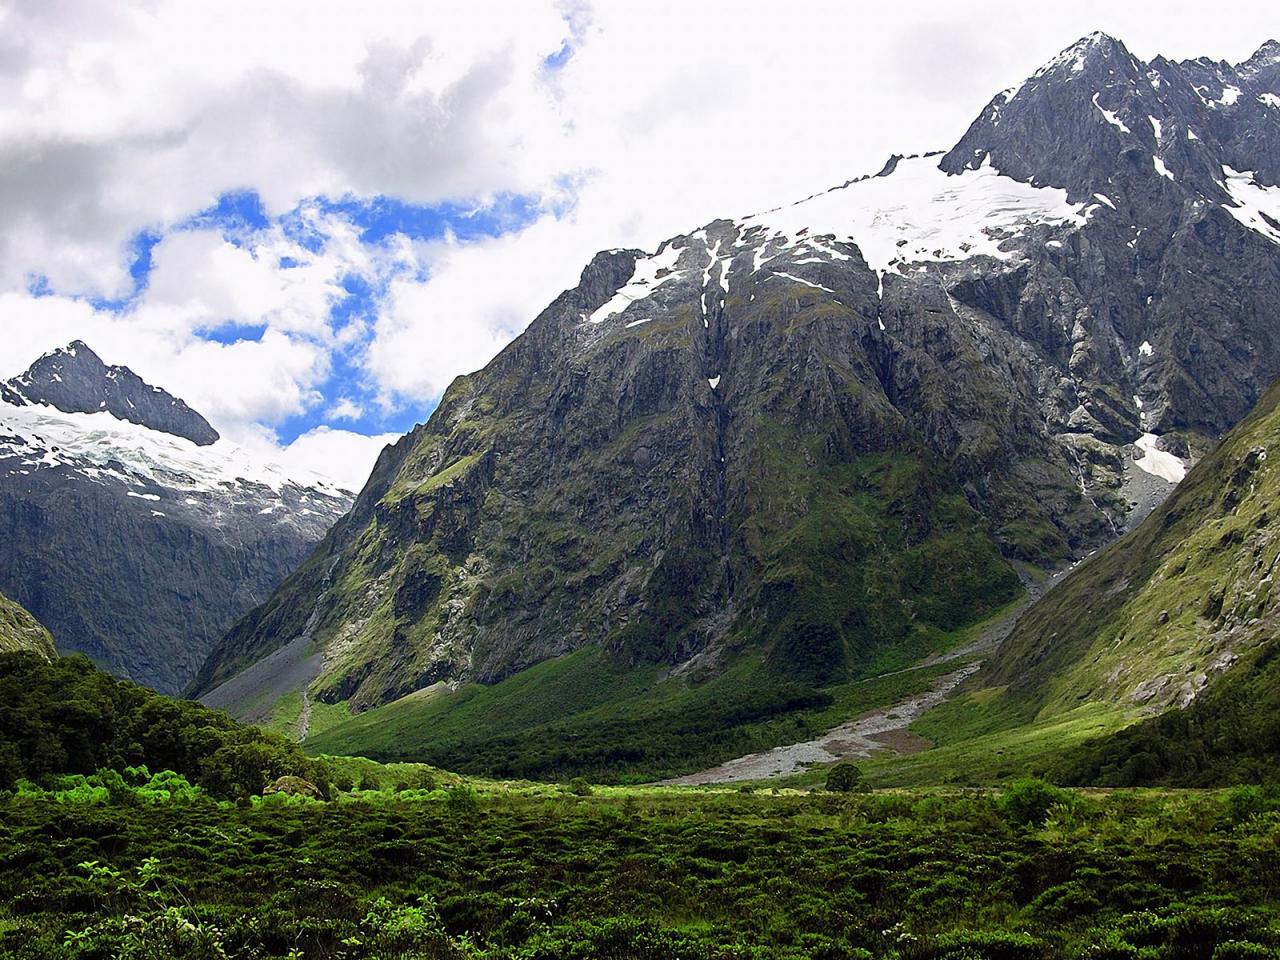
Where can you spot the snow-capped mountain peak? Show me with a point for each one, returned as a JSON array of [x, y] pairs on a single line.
[[74, 379], [136, 532]]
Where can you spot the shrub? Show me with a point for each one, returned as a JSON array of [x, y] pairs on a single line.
[[579, 787], [1028, 801], [462, 800]]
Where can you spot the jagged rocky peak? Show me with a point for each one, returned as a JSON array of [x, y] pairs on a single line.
[[74, 379], [1267, 55], [1097, 120], [1096, 51]]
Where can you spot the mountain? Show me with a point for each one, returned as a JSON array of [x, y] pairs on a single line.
[[75, 380], [804, 445], [130, 528], [19, 630]]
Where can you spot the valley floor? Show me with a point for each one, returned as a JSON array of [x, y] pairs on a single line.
[[874, 732], [885, 730]]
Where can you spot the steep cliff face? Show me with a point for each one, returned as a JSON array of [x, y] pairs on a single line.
[[19, 630], [821, 431], [138, 539]]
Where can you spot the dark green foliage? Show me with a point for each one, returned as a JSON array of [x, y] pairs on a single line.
[[886, 553], [1028, 801], [844, 778], [644, 876], [66, 717], [1230, 734], [681, 740]]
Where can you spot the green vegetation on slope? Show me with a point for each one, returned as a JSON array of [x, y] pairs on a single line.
[[498, 873], [1147, 621], [19, 630], [66, 717], [1179, 611], [1230, 734], [880, 560], [591, 714]]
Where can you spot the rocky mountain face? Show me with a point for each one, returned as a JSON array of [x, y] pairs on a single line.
[[19, 630], [129, 528], [809, 435]]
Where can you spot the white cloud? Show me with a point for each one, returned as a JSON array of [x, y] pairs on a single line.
[[344, 457], [137, 115], [682, 113], [125, 116], [345, 409]]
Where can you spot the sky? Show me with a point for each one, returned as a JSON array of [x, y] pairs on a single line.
[[306, 217]]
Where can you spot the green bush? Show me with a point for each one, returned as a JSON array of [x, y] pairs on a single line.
[[67, 717], [1028, 801], [462, 800]]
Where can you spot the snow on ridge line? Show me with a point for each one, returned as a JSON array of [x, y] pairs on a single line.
[[101, 441], [644, 280], [915, 214], [941, 217]]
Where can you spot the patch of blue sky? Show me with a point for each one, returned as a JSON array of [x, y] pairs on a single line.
[[140, 247], [381, 217], [555, 61], [38, 285], [241, 215], [237, 214], [233, 332], [347, 381]]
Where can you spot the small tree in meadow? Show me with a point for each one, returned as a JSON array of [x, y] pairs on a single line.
[[844, 778]]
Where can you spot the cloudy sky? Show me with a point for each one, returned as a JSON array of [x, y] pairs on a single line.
[[307, 217]]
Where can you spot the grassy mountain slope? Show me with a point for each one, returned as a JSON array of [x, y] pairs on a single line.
[[591, 713], [19, 630], [1148, 621], [1176, 622]]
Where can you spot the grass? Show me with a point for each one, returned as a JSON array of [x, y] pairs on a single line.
[[999, 756]]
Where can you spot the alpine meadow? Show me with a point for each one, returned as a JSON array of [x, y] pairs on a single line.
[[888, 571]]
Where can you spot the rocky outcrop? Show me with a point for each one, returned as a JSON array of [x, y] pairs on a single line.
[[19, 630], [818, 432], [292, 786]]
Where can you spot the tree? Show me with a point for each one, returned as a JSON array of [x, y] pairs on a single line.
[[844, 778]]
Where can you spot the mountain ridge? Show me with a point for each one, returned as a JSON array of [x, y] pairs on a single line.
[[74, 379], [782, 436], [19, 630]]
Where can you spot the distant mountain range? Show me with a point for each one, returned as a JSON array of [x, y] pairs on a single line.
[[129, 528]]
